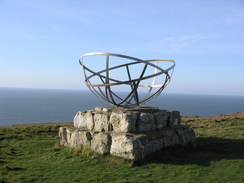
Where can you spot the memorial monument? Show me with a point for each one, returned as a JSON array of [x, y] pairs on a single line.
[[126, 129]]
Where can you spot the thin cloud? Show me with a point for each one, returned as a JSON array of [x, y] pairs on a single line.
[[178, 43], [182, 42]]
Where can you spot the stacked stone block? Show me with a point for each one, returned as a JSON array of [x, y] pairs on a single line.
[[132, 133]]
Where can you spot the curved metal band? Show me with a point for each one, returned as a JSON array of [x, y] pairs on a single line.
[[109, 96]]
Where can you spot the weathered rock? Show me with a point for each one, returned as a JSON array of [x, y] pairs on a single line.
[[80, 138], [170, 137], [175, 118], [64, 135], [146, 122], [161, 118], [123, 122], [80, 119], [74, 138], [132, 133], [101, 123], [126, 146], [120, 119], [89, 120], [101, 143], [153, 146], [186, 135]]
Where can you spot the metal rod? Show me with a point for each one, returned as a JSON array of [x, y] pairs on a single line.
[[104, 89]]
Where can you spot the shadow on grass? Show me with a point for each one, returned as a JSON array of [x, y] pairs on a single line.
[[206, 151]]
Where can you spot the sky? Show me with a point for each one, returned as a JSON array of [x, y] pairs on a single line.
[[41, 41]]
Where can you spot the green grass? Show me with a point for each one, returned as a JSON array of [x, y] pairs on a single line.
[[31, 153]]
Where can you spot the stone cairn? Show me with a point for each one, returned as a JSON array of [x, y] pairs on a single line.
[[128, 132]]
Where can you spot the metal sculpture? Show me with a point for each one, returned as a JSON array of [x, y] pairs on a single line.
[[103, 82]]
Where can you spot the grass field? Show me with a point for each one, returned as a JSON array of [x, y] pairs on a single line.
[[30, 153]]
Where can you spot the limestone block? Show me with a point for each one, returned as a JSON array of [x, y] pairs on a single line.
[[101, 122], [161, 118], [175, 118], [123, 122], [146, 122], [126, 146], [132, 133], [186, 134], [64, 135], [101, 143], [84, 119], [107, 109], [170, 137], [80, 138], [74, 138], [98, 109], [171, 141], [153, 146], [89, 120], [79, 119]]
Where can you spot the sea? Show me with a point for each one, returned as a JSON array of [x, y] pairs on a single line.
[[24, 106]]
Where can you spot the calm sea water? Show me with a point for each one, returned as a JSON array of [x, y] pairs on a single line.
[[19, 106]]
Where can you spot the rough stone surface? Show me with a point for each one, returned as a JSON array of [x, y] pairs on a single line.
[[119, 119], [170, 137], [63, 136], [101, 143], [89, 120], [101, 122], [123, 122], [132, 133], [175, 118], [80, 138], [125, 145], [161, 118], [74, 138], [153, 146], [80, 119], [146, 122], [186, 135]]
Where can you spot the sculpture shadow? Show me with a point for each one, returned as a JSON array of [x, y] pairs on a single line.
[[206, 150]]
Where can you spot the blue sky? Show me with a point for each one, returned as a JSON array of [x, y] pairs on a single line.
[[41, 41]]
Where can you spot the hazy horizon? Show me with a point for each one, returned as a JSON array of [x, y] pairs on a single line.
[[120, 91]]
